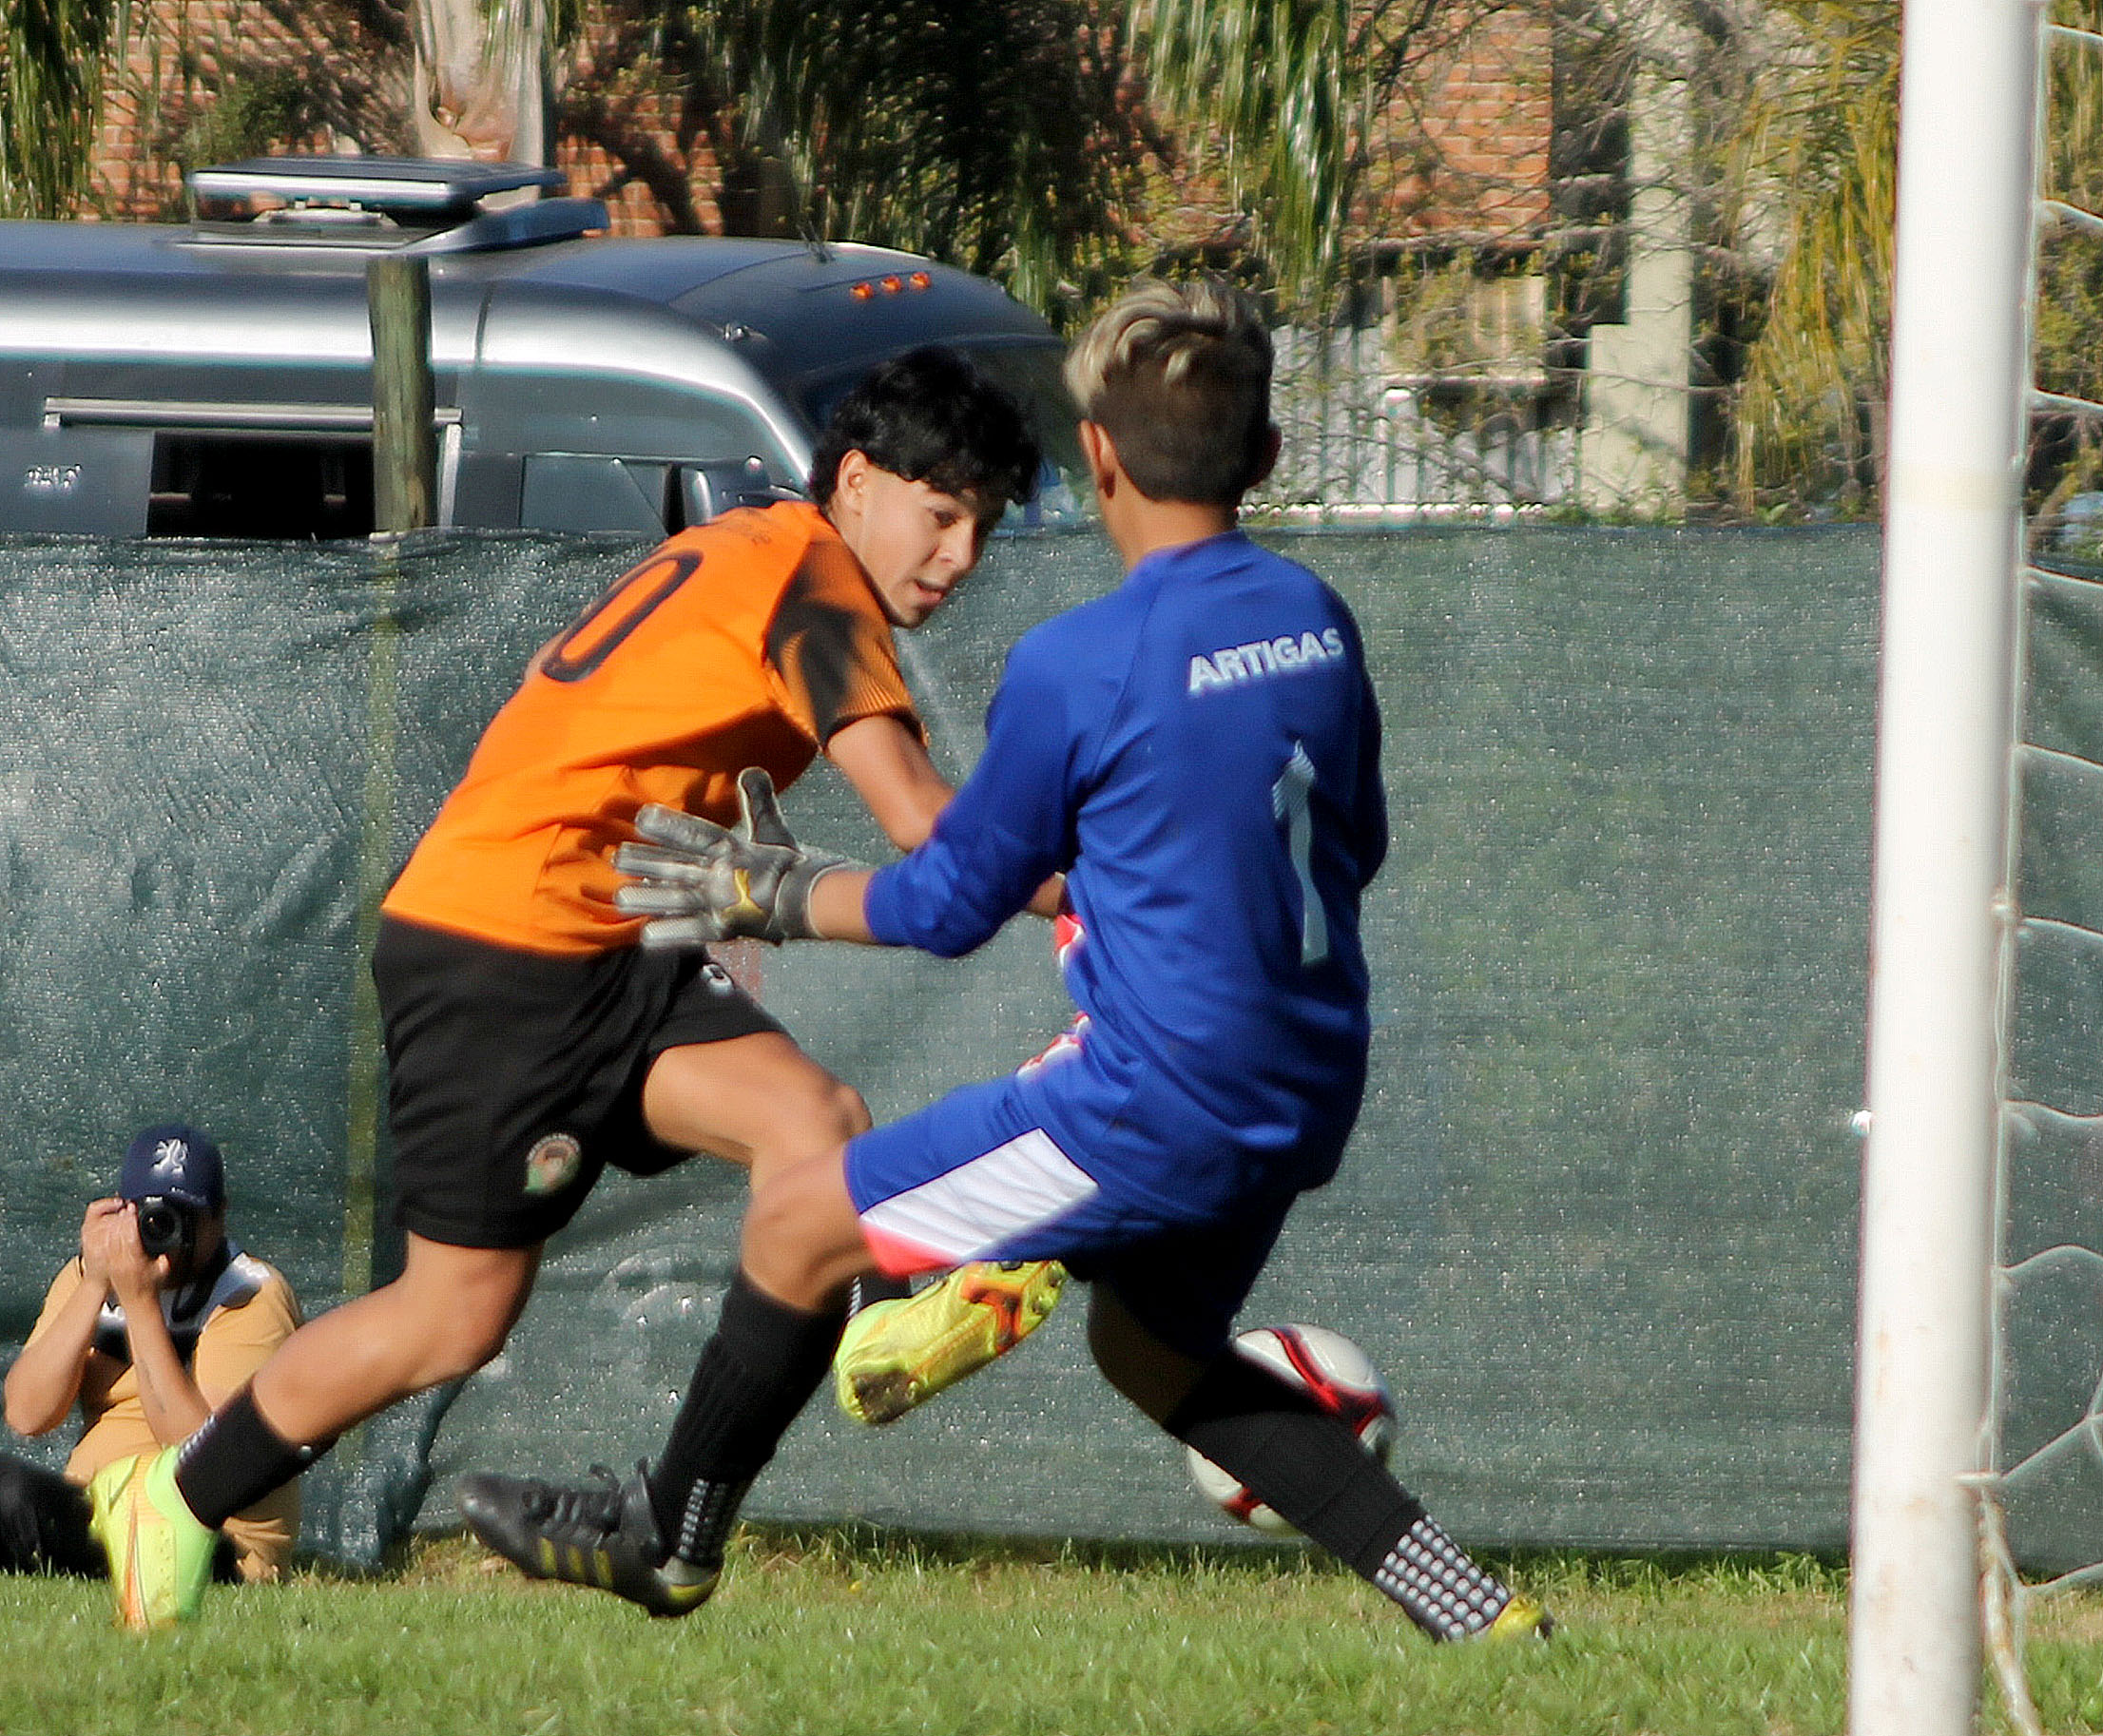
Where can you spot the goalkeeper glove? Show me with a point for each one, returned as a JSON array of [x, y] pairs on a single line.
[[699, 881]]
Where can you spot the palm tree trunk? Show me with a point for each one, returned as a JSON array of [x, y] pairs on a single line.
[[484, 84]]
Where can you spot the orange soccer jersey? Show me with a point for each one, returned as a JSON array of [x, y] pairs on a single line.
[[748, 640]]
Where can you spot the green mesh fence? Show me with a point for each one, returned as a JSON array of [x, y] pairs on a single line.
[[1598, 1226], [2050, 1287]]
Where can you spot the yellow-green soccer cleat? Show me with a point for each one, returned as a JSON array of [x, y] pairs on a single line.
[[898, 1354], [110, 1495], [1522, 1618], [160, 1556]]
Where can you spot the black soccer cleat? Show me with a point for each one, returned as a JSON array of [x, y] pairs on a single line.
[[603, 1536]]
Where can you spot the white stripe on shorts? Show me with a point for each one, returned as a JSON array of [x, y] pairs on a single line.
[[1012, 1188]]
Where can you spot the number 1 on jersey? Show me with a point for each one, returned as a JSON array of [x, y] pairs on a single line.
[[1290, 803]]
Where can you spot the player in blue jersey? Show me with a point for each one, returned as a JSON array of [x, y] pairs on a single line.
[[1198, 753]]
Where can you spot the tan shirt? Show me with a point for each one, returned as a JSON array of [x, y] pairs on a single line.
[[236, 1341]]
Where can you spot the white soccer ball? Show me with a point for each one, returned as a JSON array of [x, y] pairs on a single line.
[[1337, 1375]]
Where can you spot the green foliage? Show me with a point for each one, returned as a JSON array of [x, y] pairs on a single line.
[[253, 114], [1819, 139], [1595, 62], [301, 74], [51, 55], [1013, 139], [1435, 330], [989, 137], [996, 138], [1818, 142], [1294, 99], [2071, 259], [1282, 86], [2067, 311]]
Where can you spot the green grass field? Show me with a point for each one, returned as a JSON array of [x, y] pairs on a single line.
[[857, 1632]]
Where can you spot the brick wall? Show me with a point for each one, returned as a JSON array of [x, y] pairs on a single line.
[[1470, 156], [606, 72], [1462, 155], [158, 84], [147, 92]]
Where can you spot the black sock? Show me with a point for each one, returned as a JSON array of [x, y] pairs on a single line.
[[753, 1378], [236, 1459], [1310, 1469]]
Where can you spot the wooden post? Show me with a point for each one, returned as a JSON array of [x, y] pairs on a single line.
[[405, 445]]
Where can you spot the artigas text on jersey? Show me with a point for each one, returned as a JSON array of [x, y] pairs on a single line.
[[1262, 657]]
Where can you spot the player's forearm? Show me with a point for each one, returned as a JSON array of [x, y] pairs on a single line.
[[898, 782], [893, 775], [172, 1401], [45, 1377], [835, 904]]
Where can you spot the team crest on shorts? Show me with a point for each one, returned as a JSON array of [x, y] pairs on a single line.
[[553, 1163]]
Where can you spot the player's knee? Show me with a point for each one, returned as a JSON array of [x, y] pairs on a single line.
[[817, 1122], [833, 1113], [800, 1241], [775, 1231], [850, 1114]]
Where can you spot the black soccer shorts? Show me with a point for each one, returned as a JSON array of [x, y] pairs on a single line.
[[515, 1077]]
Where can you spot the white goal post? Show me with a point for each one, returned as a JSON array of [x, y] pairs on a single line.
[[1953, 513]]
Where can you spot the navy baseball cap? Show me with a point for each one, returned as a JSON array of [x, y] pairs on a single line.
[[174, 1161]]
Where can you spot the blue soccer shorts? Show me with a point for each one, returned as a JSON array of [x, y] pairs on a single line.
[[981, 1174]]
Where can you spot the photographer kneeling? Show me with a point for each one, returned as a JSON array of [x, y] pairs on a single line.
[[158, 1318]]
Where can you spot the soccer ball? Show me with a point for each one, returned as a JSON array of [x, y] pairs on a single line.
[[1337, 1375]]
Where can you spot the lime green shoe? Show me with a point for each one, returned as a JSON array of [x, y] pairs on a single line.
[[1522, 1618], [109, 1495], [160, 1556], [899, 1354]]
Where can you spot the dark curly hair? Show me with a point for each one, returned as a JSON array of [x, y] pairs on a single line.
[[930, 416]]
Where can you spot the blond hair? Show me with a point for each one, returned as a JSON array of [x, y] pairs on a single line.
[[1178, 374]]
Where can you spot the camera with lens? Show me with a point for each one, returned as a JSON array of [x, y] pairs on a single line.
[[167, 1227]]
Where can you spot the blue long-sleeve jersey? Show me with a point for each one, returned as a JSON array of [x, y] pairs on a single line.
[[1199, 752]]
